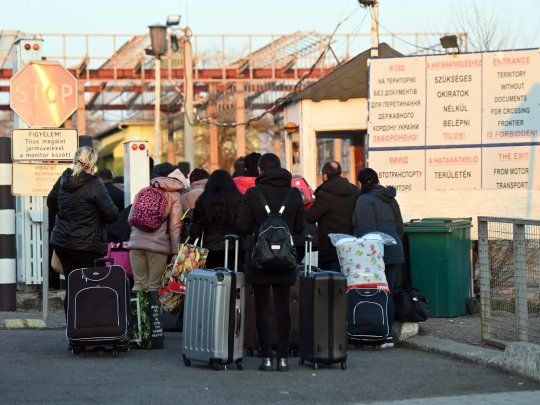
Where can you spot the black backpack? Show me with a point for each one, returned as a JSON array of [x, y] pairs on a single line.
[[410, 304], [274, 251]]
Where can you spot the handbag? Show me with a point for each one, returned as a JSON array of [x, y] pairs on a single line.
[[56, 264], [120, 254], [190, 257], [410, 304]]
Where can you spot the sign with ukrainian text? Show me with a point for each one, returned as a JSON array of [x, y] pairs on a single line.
[[465, 121]]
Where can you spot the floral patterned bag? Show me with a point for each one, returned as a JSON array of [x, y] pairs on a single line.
[[362, 259], [190, 257], [170, 301]]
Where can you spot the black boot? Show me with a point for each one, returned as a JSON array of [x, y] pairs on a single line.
[[282, 364], [266, 364]]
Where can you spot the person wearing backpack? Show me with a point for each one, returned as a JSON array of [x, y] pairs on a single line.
[[155, 221], [273, 212]]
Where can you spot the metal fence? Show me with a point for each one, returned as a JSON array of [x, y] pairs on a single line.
[[509, 260]]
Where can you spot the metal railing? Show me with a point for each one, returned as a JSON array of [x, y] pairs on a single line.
[[509, 261]]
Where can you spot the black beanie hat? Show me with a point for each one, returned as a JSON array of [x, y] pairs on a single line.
[[368, 178], [198, 174]]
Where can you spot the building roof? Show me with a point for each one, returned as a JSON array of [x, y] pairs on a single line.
[[347, 81]]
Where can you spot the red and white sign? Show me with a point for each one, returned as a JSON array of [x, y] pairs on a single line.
[[43, 94]]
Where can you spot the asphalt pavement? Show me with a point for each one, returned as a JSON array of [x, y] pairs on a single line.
[[35, 366]]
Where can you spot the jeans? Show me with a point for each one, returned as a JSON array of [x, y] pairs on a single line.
[[74, 259], [282, 309]]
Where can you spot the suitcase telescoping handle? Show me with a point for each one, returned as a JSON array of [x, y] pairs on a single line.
[[236, 240], [307, 257]]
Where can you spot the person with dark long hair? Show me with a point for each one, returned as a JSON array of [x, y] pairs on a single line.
[[214, 216]]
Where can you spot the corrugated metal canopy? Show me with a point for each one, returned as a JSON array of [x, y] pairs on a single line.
[[347, 81]]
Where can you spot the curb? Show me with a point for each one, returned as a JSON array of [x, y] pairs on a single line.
[[518, 358], [18, 324]]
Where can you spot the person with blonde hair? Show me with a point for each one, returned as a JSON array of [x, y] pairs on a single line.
[[83, 209]]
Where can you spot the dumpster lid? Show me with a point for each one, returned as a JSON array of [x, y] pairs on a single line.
[[437, 224]]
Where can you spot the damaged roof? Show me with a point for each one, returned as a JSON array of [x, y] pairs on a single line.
[[347, 81]]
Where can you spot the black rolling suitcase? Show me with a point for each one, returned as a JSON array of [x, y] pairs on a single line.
[[97, 308], [370, 315], [323, 315]]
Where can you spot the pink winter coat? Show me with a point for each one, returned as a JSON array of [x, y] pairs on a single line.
[[166, 239], [195, 190]]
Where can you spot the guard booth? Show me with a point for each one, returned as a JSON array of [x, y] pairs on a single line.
[[331, 115]]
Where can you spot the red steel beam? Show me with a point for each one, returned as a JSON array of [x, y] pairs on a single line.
[[199, 74]]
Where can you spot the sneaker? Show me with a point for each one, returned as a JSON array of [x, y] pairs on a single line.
[[389, 343]]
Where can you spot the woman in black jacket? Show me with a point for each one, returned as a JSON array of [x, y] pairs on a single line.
[[214, 216], [83, 209]]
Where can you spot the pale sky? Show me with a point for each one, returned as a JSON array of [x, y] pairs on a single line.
[[257, 16]]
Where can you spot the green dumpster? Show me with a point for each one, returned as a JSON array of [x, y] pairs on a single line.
[[440, 263]]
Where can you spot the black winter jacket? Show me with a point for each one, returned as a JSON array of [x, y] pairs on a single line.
[[84, 207], [116, 194], [333, 210], [379, 211], [213, 234], [275, 184]]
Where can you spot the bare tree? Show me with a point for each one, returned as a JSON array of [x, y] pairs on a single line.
[[486, 23]]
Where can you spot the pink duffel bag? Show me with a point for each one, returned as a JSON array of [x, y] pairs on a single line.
[[120, 254]]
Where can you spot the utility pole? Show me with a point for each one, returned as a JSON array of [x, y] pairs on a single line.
[[157, 111], [374, 4], [189, 152], [375, 29]]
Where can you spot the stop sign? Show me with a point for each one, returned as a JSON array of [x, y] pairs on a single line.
[[43, 94]]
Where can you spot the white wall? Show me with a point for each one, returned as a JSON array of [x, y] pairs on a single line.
[[326, 115]]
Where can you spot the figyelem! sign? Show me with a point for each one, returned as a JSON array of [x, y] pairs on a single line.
[[58, 144], [465, 121]]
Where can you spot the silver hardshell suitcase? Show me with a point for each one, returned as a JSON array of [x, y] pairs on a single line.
[[213, 329]]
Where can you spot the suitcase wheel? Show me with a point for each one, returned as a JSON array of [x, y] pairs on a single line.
[[187, 362], [77, 349], [240, 364], [114, 353], [217, 367], [344, 365]]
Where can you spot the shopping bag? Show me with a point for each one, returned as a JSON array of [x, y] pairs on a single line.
[[171, 301], [190, 257], [120, 254], [145, 331]]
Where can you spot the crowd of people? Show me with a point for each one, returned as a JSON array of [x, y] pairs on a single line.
[[90, 212]]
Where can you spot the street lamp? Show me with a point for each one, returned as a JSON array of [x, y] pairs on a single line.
[[158, 41]]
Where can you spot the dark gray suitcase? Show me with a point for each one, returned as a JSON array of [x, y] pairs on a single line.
[[323, 315], [213, 330], [97, 308]]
